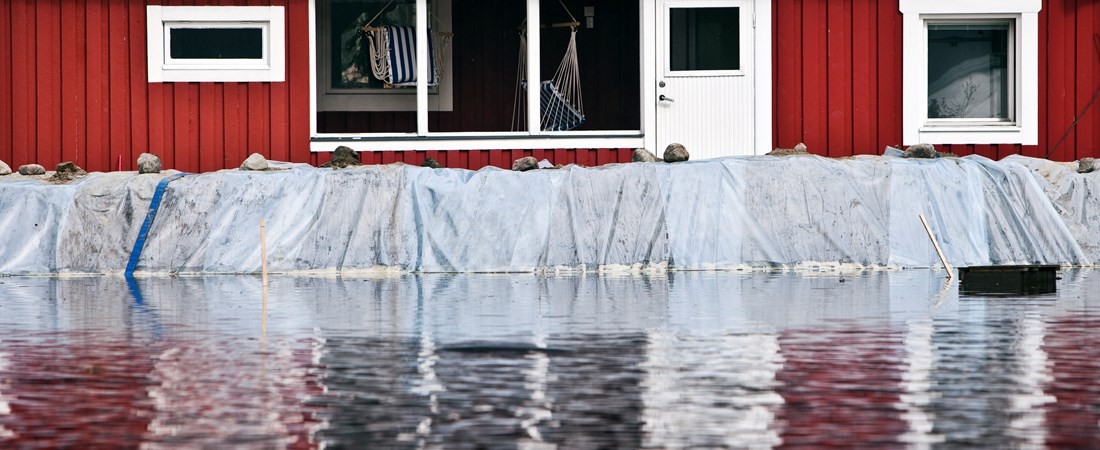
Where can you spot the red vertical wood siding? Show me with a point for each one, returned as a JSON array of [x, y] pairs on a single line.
[[139, 128], [839, 67], [73, 87], [23, 81], [5, 80]]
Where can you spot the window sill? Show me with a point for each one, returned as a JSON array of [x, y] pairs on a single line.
[[982, 135], [477, 141], [973, 129]]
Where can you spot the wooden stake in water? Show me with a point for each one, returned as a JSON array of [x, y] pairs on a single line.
[[263, 257], [263, 249], [936, 244]]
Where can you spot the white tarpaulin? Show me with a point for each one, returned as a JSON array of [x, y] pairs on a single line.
[[718, 214]]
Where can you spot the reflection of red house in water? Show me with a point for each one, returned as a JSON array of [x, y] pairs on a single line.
[[93, 396], [839, 389], [840, 393], [1074, 420], [123, 394], [92, 82]]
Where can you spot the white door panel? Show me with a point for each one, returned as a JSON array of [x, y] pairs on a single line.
[[705, 90]]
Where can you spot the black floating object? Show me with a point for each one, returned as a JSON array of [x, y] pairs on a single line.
[[1008, 280], [501, 347]]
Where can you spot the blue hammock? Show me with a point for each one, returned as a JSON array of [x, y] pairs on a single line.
[[557, 113]]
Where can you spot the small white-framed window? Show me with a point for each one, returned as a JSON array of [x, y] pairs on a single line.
[[970, 72], [216, 43]]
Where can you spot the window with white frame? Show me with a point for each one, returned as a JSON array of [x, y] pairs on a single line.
[[346, 80], [355, 102], [216, 43], [970, 74]]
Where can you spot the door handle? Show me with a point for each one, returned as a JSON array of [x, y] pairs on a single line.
[[663, 98]]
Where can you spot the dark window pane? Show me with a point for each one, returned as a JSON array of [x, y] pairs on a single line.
[[705, 38], [217, 43], [968, 71]]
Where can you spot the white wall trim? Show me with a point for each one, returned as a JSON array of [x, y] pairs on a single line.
[[272, 68], [915, 84], [648, 48], [534, 69], [762, 56], [313, 67], [422, 66], [970, 6]]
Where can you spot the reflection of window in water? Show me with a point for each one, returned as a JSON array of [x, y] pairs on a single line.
[[352, 68], [968, 70]]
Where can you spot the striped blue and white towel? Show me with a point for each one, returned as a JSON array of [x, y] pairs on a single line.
[[402, 49]]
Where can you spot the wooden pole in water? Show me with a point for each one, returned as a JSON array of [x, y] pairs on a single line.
[[263, 256], [263, 249], [936, 244]]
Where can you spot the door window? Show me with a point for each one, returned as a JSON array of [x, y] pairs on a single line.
[[704, 39]]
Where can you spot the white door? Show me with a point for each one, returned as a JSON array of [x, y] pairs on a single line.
[[705, 77]]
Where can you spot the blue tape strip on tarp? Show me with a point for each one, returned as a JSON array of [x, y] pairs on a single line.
[[158, 195]]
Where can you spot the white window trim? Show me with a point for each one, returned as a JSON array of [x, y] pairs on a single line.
[[1025, 129], [746, 32], [270, 19], [422, 139]]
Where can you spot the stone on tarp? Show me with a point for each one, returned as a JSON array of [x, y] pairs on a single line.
[[255, 161], [4, 168], [525, 163], [1086, 165], [921, 151], [149, 163], [32, 169], [675, 153], [643, 155], [69, 167], [67, 171], [431, 163], [342, 157], [799, 149]]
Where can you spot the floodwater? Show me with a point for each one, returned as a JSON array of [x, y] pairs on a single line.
[[680, 360]]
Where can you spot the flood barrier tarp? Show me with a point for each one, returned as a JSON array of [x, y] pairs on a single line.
[[738, 212]]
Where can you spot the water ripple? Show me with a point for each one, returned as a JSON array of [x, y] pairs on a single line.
[[707, 360]]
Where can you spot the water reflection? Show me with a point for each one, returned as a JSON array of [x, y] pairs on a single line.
[[713, 360], [732, 384], [5, 407]]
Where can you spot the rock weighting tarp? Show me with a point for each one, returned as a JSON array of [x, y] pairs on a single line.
[[732, 213]]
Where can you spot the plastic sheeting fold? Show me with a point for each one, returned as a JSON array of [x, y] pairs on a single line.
[[740, 212]]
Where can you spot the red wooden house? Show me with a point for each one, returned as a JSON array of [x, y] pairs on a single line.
[[203, 83]]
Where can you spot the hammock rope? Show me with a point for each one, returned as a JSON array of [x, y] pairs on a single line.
[[562, 104], [567, 81]]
